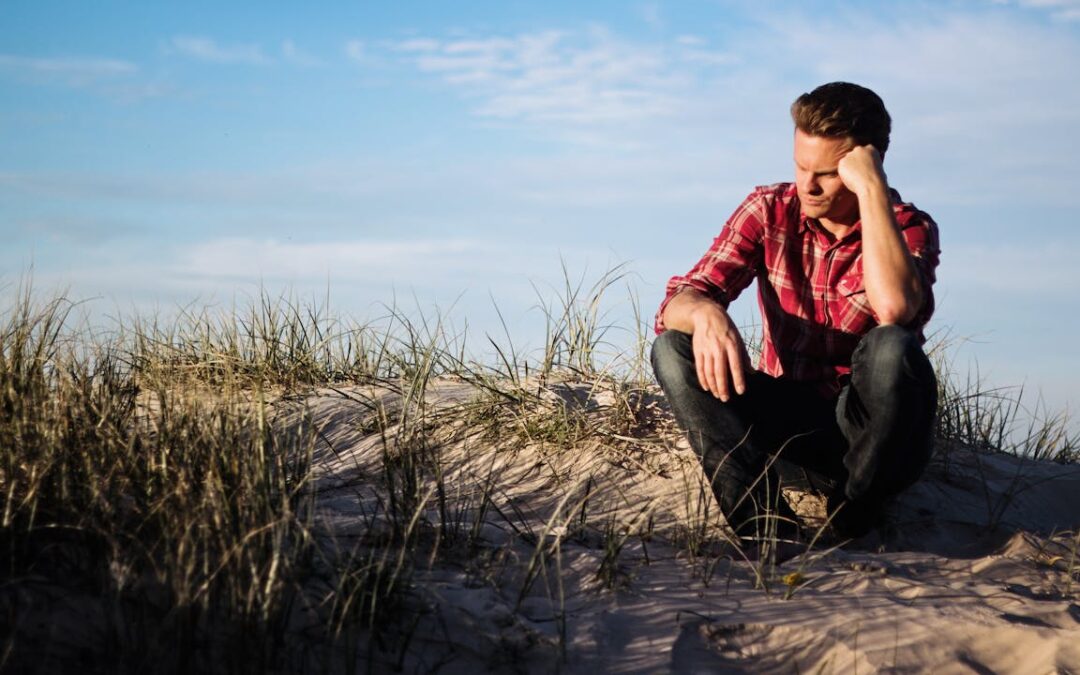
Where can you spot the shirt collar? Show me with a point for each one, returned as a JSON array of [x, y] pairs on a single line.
[[812, 225], [804, 222]]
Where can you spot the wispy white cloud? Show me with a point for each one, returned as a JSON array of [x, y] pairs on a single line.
[[554, 77], [457, 278], [690, 40], [537, 184], [363, 268], [348, 261], [416, 45], [943, 73], [297, 56], [651, 14], [356, 50], [305, 184], [68, 68], [206, 49], [67, 229], [80, 73], [1062, 10], [985, 103], [116, 79]]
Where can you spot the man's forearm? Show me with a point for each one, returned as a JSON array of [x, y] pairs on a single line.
[[719, 353], [681, 310], [892, 284]]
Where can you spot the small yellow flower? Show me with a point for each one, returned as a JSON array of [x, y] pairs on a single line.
[[794, 579]]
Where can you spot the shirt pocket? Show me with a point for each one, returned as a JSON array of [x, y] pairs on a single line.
[[853, 296]]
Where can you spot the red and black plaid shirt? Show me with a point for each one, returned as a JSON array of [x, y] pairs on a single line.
[[810, 286]]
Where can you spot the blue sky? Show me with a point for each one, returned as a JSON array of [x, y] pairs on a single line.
[[453, 153]]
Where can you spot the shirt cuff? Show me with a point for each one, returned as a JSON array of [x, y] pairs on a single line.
[[679, 284]]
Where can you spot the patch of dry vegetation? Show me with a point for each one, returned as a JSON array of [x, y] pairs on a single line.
[[182, 497]]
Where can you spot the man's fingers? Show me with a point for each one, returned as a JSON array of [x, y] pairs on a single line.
[[722, 368], [735, 358], [699, 363], [706, 366], [720, 377]]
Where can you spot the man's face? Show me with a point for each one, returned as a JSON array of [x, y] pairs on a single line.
[[821, 192]]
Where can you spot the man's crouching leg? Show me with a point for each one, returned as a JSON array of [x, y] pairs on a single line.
[[887, 414], [719, 432]]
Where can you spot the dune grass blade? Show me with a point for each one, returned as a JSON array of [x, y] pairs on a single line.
[[152, 478]]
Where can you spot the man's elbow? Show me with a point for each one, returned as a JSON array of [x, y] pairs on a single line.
[[898, 310], [890, 317]]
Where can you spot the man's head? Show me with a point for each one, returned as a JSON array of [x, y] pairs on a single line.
[[829, 122], [844, 110]]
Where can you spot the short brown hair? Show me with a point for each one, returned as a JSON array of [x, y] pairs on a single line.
[[842, 109]]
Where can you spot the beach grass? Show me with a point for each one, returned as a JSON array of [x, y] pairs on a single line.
[[160, 485]]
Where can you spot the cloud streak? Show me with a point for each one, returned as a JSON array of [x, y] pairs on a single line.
[[355, 50], [562, 78], [944, 78], [992, 99], [75, 72], [78, 68], [349, 261], [116, 79], [210, 51], [1061, 10], [293, 54]]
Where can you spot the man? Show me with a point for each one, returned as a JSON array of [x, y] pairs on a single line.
[[845, 272]]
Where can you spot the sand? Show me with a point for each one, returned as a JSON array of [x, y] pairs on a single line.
[[975, 572]]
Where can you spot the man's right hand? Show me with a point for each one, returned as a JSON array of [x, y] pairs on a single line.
[[719, 352]]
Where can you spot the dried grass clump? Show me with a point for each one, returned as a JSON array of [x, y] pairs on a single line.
[[164, 493]]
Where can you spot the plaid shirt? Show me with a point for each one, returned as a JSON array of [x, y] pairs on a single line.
[[810, 287]]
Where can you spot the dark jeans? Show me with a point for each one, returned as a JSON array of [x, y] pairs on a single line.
[[865, 445]]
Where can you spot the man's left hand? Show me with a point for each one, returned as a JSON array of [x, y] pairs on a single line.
[[861, 169]]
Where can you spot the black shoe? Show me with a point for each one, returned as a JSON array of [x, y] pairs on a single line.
[[852, 519]]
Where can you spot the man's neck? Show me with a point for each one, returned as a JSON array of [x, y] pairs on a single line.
[[838, 229]]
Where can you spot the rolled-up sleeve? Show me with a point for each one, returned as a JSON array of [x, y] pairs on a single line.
[[920, 233], [730, 264]]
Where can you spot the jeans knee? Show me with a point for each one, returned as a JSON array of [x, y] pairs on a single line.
[[672, 356], [887, 349]]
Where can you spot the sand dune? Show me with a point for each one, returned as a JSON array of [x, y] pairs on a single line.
[[607, 556]]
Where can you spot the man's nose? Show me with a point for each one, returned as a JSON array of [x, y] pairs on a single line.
[[811, 186]]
